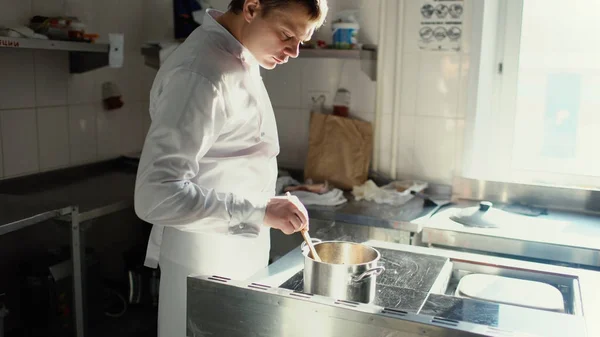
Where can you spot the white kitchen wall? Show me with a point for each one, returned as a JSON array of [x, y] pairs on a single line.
[[433, 103], [433, 98], [292, 85], [51, 119]]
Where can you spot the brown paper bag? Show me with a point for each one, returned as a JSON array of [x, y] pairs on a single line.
[[339, 150]]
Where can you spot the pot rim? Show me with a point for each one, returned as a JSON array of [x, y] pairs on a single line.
[[306, 251]]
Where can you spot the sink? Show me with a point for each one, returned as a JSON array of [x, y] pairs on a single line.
[[567, 285]]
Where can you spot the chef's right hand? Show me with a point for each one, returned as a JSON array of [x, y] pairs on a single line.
[[287, 214]]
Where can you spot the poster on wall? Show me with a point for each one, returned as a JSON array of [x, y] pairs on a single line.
[[441, 25]]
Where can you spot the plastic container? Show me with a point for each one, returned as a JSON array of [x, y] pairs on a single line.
[[345, 35]]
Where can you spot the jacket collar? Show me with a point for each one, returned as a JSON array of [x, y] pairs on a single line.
[[224, 38]]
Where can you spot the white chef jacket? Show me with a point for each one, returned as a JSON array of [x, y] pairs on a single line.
[[208, 164]]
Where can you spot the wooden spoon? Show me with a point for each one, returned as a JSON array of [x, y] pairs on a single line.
[[311, 247]]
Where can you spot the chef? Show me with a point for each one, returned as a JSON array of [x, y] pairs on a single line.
[[207, 173]]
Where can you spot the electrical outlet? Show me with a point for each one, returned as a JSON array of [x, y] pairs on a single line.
[[314, 97]]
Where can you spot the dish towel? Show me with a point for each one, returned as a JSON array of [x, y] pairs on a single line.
[[333, 197]]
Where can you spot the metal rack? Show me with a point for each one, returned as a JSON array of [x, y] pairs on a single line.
[[26, 217], [83, 56], [71, 213]]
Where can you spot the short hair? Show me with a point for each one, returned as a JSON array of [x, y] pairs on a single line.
[[317, 9]]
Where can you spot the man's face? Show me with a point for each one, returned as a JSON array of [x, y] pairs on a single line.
[[274, 38]]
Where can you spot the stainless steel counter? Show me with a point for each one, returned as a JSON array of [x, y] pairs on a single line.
[[407, 217], [113, 191], [95, 197], [290, 265], [17, 212], [560, 236]]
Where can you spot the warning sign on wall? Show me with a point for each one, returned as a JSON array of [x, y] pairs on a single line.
[[441, 25]]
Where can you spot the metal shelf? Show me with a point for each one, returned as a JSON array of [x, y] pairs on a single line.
[[356, 54], [367, 56], [83, 56]]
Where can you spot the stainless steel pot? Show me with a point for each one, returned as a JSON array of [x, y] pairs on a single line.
[[348, 270]]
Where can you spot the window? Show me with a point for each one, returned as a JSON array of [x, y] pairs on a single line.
[[536, 113]]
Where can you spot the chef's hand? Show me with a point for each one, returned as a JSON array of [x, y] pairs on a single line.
[[287, 214]]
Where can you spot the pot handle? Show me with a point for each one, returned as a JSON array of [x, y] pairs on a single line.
[[369, 273], [313, 240]]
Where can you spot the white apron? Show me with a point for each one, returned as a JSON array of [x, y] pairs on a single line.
[[243, 261]]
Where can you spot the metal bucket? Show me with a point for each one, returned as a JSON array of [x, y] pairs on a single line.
[[348, 270]]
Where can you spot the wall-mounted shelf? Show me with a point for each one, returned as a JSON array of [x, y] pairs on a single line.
[[367, 56], [82, 56]]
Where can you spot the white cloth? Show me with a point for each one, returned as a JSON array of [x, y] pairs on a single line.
[[208, 165], [388, 194], [333, 197]]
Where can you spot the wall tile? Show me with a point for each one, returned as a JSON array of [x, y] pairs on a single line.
[[284, 84], [410, 82], [51, 77], [15, 12], [82, 133], [146, 77], [68, 106], [406, 146], [18, 81], [158, 11], [467, 30], [320, 75], [293, 130], [460, 144], [101, 19], [438, 84], [81, 9], [85, 88], [385, 139], [369, 21], [362, 91], [19, 142], [385, 158], [133, 128], [130, 22], [435, 146], [463, 89], [119, 131], [412, 20], [48, 7], [53, 136], [126, 78]]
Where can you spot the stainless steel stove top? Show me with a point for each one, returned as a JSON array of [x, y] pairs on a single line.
[[406, 282], [414, 298]]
